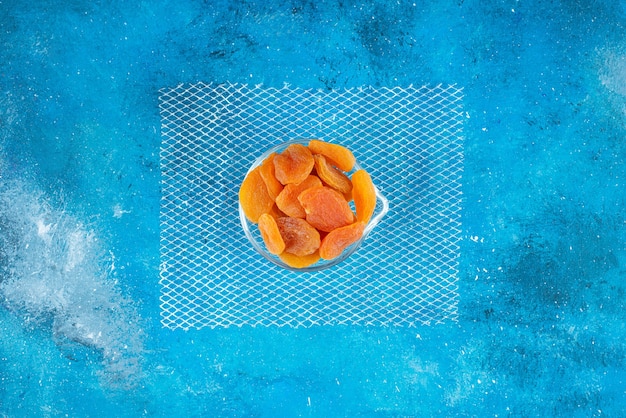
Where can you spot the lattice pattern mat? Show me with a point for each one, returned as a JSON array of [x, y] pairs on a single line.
[[405, 273]]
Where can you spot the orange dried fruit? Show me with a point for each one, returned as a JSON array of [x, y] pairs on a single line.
[[274, 187], [299, 236], [339, 156], [348, 195], [271, 234], [303, 200], [326, 209], [339, 239], [294, 164], [299, 262], [275, 213], [254, 197], [331, 176], [287, 200], [364, 195]]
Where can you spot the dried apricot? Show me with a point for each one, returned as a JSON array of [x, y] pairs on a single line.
[[299, 236], [299, 262], [287, 200], [275, 213], [274, 187], [339, 156], [348, 195], [271, 234], [339, 239], [254, 197], [303, 200], [294, 164], [364, 195], [326, 208], [331, 176]]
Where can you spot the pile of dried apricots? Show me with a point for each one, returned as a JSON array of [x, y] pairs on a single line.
[[300, 199]]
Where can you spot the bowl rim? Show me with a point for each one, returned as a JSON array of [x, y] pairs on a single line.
[[321, 264]]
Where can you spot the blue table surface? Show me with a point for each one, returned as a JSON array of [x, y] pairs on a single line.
[[540, 328]]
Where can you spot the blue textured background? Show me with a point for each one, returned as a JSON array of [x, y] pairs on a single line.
[[541, 329]]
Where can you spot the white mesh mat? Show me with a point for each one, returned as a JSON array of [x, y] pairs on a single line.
[[405, 273]]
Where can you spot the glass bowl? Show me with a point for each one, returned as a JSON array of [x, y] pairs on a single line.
[[254, 236]]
